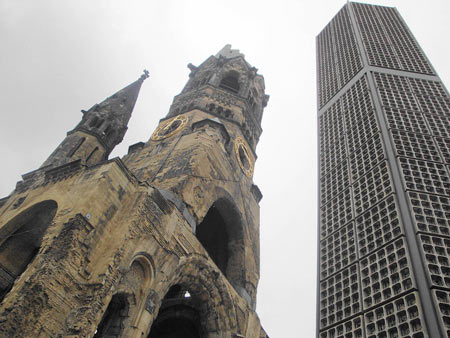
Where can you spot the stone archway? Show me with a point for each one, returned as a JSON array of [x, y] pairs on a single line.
[[222, 235], [20, 241], [208, 298]]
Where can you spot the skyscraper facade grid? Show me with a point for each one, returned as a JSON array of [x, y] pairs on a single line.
[[384, 181]]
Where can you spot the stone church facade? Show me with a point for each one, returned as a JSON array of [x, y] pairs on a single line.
[[163, 242]]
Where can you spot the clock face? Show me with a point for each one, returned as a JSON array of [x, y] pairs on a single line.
[[244, 156], [169, 127]]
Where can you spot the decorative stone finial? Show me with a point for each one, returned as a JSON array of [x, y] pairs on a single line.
[[145, 75]]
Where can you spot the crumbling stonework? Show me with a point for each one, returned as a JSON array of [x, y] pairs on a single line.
[[164, 240]]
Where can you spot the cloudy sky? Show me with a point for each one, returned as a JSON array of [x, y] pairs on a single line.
[[60, 56]]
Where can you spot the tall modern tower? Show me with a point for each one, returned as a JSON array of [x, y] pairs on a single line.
[[384, 143]]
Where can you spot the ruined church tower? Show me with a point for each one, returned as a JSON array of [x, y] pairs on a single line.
[[161, 243]]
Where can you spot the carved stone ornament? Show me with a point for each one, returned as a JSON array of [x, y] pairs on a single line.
[[169, 128], [244, 157]]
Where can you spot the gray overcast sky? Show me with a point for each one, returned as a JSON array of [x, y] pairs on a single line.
[[60, 56]]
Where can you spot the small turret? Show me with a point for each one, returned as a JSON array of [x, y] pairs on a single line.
[[102, 128]]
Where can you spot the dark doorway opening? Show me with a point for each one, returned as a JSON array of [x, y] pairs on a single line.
[[178, 316]]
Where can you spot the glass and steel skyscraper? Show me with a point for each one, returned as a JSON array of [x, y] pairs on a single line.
[[384, 166]]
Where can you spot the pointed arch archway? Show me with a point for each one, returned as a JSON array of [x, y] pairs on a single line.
[[222, 235], [198, 299]]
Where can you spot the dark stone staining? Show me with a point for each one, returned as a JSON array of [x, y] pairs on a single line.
[[213, 124], [95, 122], [219, 110], [135, 147], [161, 202], [63, 171], [65, 151], [3, 201], [74, 231], [23, 316], [76, 147], [151, 301], [257, 194], [110, 212], [19, 202], [91, 154], [121, 193], [180, 205]]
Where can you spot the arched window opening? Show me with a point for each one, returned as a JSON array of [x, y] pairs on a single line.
[[111, 324], [252, 104], [109, 131], [23, 239], [93, 122], [96, 122], [230, 82], [178, 316], [99, 123], [212, 234], [205, 80]]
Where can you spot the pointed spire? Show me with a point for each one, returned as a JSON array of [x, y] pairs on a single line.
[[108, 120], [100, 130]]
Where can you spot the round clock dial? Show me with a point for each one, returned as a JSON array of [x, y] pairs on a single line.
[[169, 127], [244, 156]]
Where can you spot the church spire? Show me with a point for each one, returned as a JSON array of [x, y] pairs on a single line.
[[108, 120], [102, 127]]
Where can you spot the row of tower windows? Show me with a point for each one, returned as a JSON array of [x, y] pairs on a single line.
[[229, 82]]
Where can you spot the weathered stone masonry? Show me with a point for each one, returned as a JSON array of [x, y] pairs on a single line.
[[163, 241]]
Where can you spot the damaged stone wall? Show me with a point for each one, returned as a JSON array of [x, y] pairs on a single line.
[[123, 237], [122, 233]]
